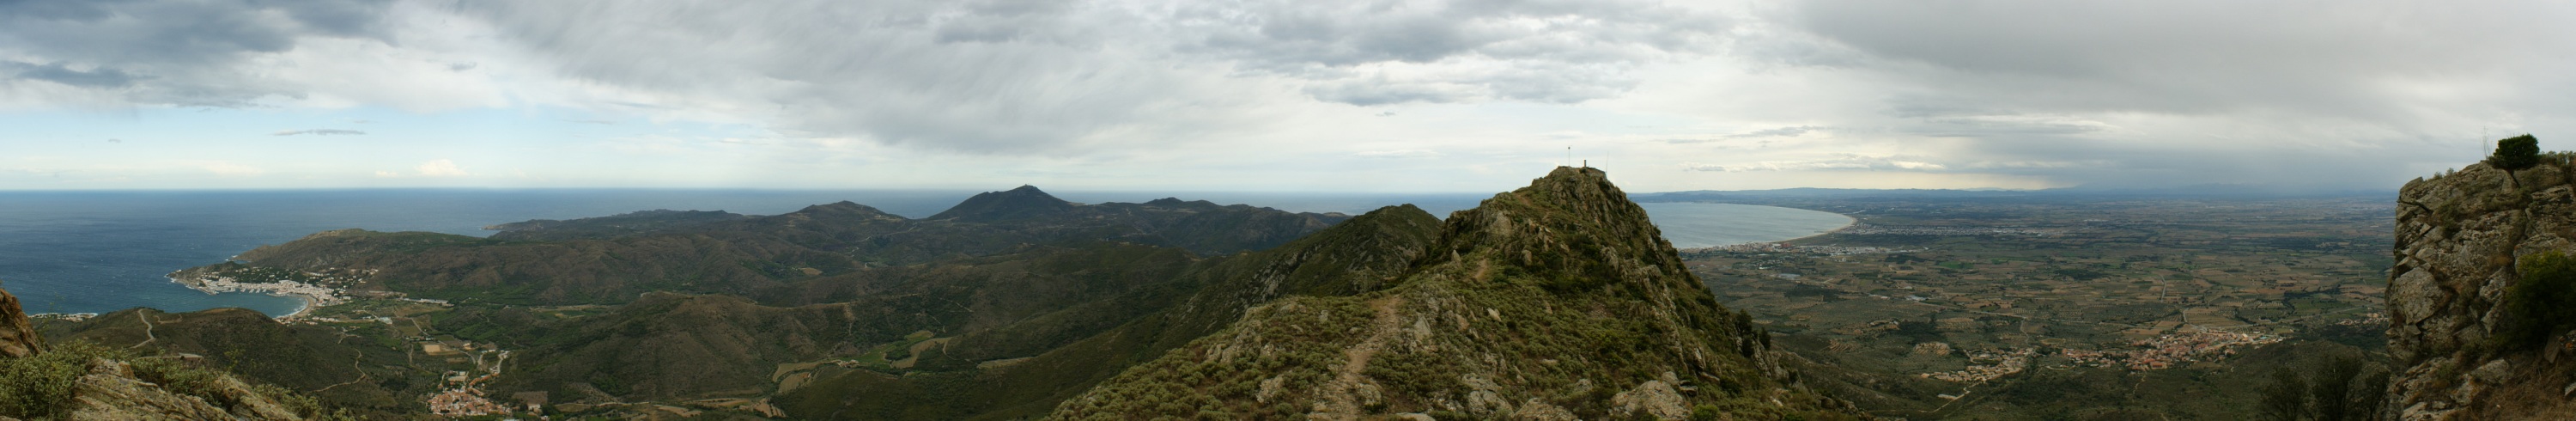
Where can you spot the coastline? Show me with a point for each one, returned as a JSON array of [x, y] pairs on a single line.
[[309, 304], [1850, 221], [310, 296]]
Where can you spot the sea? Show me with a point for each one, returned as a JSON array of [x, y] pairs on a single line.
[[1695, 225], [103, 251]]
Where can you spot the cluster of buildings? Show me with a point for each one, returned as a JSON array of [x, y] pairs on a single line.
[[1824, 250], [2000, 363], [2168, 351], [464, 402], [315, 320], [1865, 229], [2370, 318], [314, 295], [464, 394], [72, 317]]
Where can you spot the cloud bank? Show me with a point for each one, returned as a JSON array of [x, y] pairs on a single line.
[[1761, 94]]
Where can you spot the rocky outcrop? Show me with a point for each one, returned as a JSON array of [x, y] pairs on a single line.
[[17, 337], [2459, 237], [1555, 301]]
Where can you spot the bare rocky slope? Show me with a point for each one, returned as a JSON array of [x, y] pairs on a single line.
[[1555, 301], [2464, 241]]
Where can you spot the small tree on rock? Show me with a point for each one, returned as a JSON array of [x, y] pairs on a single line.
[[2514, 153]]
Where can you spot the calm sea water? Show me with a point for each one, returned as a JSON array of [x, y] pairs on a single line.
[[95, 252], [1690, 225]]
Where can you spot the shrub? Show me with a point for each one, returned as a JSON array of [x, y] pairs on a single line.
[[41, 386], [2282, 400], [2340, 388], [2514, 153], [2543, 303]]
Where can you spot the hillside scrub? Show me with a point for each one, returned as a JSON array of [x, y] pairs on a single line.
[[2543, 303], [41, 386], [45, 386]]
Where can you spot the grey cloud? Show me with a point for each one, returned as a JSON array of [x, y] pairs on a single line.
[[1791, 131], [173, 52], [2000, 126], [2191, 56], [994, 76], [2309, 92], [872, 70], [93, 78], [317, 132], [1368, 92], [1398, 154], [1543, 51], [1844, 162], [1024, 77]]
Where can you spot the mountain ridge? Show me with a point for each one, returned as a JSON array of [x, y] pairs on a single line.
[[1554, 301]]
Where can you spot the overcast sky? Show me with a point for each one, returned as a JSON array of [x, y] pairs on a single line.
[[1285, 95]]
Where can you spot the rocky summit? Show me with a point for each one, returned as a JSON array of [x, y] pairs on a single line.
[[1555, 301], [2476, 329]]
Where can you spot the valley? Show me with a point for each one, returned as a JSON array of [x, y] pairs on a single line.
[[1952, 307]]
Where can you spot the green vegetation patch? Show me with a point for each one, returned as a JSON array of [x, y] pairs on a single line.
[[2514, 153], [2543, 303], [41, 386]]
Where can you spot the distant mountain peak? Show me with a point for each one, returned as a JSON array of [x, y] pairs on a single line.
[[840, 206], [1024, 202]]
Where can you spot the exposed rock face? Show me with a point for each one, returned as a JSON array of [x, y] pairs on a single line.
[[1555, 301], [17, 337], [2458, 238]]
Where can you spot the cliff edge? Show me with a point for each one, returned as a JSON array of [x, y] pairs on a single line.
[[2462, 348]]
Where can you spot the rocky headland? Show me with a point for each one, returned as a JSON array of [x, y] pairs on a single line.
[[2466, 344]]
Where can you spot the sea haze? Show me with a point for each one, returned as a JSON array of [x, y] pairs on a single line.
[[95, 252]]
